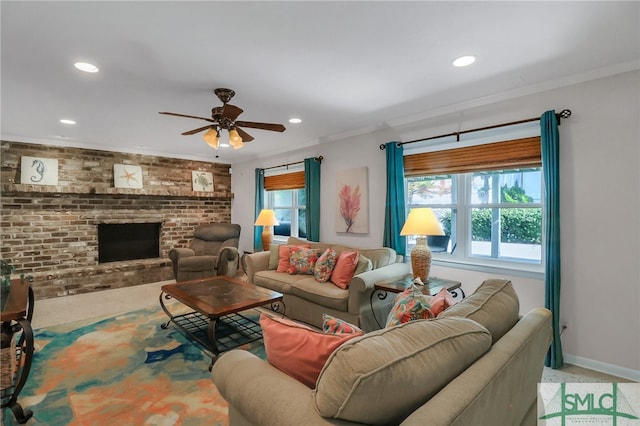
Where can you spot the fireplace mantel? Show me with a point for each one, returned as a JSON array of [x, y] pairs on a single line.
[[50, 232]]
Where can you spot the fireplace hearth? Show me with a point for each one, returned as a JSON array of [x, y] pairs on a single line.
[[128, 241]]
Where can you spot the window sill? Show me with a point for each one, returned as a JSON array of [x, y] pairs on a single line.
[[491, 269]]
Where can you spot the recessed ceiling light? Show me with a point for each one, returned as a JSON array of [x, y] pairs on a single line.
[[463, 61], [224, 145], [67, 121], [295, 120], [83, 66]]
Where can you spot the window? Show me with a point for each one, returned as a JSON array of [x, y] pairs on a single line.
[[285, 194], [289, 205], [491, 214]]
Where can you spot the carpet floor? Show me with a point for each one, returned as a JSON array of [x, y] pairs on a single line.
[[122, 370], [125, 369]]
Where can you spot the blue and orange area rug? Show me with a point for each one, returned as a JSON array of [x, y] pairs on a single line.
[[121, 370]]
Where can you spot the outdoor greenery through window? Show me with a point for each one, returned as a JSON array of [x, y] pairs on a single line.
[[289, 206], [488, 217]]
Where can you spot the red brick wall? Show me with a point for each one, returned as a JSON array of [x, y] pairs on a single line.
[[50, 232]]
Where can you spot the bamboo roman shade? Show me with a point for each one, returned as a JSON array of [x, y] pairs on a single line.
[[511, 154], [293, 180]]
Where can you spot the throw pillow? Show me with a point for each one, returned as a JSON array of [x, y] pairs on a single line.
[[273, 257], [441, 301], [494, 304], [298, 350], [333, 325], [284, 254], [382, 377], [409, 305], [303, 260], [345, 267], [325, 264], [364, 265]]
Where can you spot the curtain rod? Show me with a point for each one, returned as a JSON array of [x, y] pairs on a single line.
[[565, 113], [318, 159]]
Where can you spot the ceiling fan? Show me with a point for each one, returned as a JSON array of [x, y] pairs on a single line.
[[224, 117]]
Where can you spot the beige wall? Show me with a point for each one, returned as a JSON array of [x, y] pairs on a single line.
[[600, 208]]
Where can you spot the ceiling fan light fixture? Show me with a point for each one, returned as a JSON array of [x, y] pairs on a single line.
[[235, 140], [212, 138]]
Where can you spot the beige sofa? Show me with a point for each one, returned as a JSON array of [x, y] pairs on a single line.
[[306, 299], [477, 364]]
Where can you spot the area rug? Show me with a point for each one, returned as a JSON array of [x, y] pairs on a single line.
[[122, 370]]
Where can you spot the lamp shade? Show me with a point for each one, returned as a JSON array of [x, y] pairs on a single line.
[[212, 138], [267, 218], [422, 221]]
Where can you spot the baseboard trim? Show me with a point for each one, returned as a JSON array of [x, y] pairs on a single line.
[[603, 367]]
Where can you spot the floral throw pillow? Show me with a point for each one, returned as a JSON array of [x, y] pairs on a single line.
[[333, 325], [325, 264], [302, 260], [409, 305]]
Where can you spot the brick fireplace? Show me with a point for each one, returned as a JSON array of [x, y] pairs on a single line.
[[51, 232]]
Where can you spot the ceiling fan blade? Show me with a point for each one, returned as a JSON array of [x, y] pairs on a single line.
[[246, 137], [194, 131], [188, 116], [231, 111], [263, 126]]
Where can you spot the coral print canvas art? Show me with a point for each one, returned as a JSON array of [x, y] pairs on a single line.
[[352, 212]]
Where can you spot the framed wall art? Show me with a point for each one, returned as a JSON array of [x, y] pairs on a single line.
[[202, 181], [39, 171], [352, 201], [127, 176]]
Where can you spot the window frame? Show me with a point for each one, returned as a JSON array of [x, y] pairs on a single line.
[[461, 208], [294, 208]]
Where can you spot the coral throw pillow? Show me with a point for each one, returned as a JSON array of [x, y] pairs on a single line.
[[441, 301], [284, 254], [303, 260], [298, 350], [345, 267], [325, 264], [409, 305], [333, 325]]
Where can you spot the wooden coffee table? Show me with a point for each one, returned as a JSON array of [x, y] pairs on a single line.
[[215, 322]]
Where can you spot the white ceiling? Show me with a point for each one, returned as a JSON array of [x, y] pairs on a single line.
[[343, 67]]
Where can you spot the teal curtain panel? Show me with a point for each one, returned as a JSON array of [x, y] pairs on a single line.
[[395, 213], [312, 192], [257, 230], [550, 140]]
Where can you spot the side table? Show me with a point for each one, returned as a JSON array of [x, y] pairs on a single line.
[[431, 287], [16, 356]]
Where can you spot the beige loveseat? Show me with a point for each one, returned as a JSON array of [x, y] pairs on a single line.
[[306, 299], [477, 364]]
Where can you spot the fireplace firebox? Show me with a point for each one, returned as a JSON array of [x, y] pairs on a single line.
[[128, 241]]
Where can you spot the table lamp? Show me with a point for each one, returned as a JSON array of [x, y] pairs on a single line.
[[421, 222], [266, 219]]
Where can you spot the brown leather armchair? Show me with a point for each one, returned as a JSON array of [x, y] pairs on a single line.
[[213, 251]]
